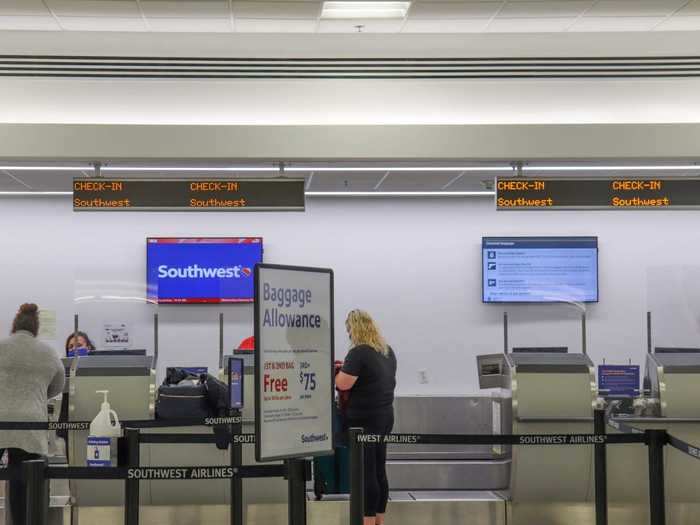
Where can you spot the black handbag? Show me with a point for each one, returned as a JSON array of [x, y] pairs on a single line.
[[182, 402]]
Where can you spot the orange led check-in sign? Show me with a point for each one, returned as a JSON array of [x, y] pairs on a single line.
[[278, 194], [522, 193]]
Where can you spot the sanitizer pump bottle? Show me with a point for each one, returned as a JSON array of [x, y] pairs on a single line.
[[103, 428]]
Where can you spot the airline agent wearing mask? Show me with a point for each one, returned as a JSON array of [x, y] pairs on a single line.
[[84, 347]]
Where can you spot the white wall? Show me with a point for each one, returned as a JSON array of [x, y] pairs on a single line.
[[414, 263], [349, 102]]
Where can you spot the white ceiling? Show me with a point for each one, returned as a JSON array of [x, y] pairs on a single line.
[[303, 16]]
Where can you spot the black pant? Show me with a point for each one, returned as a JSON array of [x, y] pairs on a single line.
[[16, 499], [376, 483]]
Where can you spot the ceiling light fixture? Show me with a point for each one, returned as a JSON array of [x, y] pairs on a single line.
[[308, 193], [646, 167], [36, 193], [190, 168], [398, 168], [46, 168], [353, 9], [400, 193]]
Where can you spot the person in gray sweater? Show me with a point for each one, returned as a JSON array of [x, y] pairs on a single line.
[[30, 373]]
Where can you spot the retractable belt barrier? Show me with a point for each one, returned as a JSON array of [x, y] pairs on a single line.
[[167, 473], [140, 423], [653, 439], [499, 439], [679, 444], [621, 426], [36, 473]]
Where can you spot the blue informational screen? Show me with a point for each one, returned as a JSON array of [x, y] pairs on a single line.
[[618, 380], [235, 382], [539, 269], [202, 270]]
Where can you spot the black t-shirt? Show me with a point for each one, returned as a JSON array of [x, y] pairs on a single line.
[[373, 392]]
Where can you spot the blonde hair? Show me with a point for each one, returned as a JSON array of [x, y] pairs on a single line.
[[364, 331]]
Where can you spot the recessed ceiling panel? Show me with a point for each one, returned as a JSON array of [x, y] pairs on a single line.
[[28, 23], [360, 26], [417, 181], [344, 181], [191, 25], [185, 8], [680, 23], [544, 9], [471, 25], [693, 8], [102, 23], [530, 25], [7, 183], [23, 7], [635, 7], [285, 10], [619, 23], [451, 10], [267, 25], [118, 8], [45, 180], [471, 182]]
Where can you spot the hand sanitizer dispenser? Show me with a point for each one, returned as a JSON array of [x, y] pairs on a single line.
[[103, 428]]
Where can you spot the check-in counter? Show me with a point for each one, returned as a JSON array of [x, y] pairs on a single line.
[[449, 467], [552, 392], [130, 380], [674, 378], [132, 388]]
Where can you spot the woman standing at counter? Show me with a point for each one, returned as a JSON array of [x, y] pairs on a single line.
[[369, 373], [30, 373]]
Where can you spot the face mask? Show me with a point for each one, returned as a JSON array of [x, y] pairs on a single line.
[[80, 351]]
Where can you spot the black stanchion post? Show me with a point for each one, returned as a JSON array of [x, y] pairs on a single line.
[[37, 504], [296, 480], [357, 477], [656, 440], [131, 486], [236, 511], [601, 471]]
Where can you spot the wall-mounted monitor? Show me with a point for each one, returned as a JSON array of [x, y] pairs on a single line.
[[192, 270], [539, 269]]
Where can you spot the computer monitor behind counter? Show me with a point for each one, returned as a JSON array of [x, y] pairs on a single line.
[[675, 350], [541, 350]]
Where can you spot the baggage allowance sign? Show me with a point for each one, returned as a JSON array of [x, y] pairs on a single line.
[[294, 359]]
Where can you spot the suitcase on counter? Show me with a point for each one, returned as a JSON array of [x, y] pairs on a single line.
[[182, 402]]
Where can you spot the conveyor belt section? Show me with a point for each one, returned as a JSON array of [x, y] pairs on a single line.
[[428, 496]]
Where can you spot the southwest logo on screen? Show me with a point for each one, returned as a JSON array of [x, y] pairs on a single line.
[[194, 271]]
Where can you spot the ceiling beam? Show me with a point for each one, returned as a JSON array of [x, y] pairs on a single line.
[[115, 142]]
